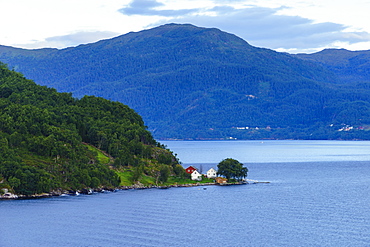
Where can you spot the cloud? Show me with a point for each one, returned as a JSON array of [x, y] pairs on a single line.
[[260, 26], [264, 27], [148, 8], [73, 39]]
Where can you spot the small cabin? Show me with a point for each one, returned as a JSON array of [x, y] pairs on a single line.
[[190, 169], [220, 180], [195, 175], [211, 173]]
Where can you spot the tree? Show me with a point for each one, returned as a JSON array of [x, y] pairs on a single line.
[[231, 168], [179, 171], [164, 173], [138, 172]]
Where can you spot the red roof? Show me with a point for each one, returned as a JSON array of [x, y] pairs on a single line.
[[190, 169]]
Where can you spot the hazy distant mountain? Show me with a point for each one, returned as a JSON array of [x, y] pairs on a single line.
[[192, 82]]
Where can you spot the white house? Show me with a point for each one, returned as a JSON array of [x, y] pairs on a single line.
[[211, 173], [195, 175]]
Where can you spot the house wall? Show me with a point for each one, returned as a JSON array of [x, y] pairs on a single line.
[[211, 173], [196, 176]]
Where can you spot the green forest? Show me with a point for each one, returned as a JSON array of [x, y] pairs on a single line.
[[50, 141]]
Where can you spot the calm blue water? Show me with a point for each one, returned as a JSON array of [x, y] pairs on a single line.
[[318, 196], [270, 151]]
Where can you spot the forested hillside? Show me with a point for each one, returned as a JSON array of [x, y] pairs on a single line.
[[52, 141], [199, 83], [349, 66]]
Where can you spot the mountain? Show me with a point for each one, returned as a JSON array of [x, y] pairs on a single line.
[[199, 83], [50, 141], [349, 66]]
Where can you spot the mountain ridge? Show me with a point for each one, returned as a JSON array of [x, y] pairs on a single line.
[[193, 82], [349, 66]]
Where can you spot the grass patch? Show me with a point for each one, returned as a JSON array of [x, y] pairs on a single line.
[[147, 181], [126, 178], [176, 180], [102, 158]]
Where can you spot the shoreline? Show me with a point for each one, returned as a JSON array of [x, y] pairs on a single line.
[[109, 190]]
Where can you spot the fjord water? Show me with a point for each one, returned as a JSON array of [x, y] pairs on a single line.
[[318, 196]]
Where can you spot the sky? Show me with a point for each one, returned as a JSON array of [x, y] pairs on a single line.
[[302, 26]]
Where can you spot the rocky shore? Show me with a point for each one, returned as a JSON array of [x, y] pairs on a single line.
[[138, 186]]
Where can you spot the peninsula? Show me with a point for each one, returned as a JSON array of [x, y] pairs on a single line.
[[53, 143]]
